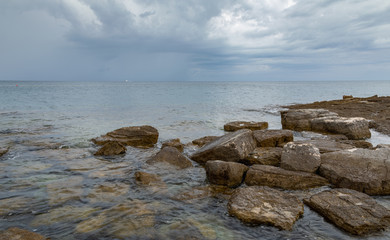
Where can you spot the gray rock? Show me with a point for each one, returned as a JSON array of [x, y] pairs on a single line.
[[352, 211], [204, 140], [225, 173], [265, 156], [263, 175], [299, 119], [231, 147], [234, 126], [328, 145], [273, 138], [363, 170], [111, 148], [263, 205], [300, 157], [174, 143], [353, 128], [171, 156], [357, 143]]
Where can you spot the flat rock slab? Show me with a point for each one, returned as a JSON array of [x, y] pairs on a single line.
[[231, 147], [300, 119], [265, 156], [137, 136], [15, 233], [234, 126], [110, 149], [353, 128], [273, 138], [204, 140], [352, 211], [300, 157], [171, 156], [229, 174], [263, 205], [325, 145], [174, 143], [363, 170], [263, 175]]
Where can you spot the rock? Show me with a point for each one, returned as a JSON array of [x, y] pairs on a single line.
[[201, 192], [273, 138], [231, 147], [138, 136], [300, 157], [263, 175], [15, 233], [147, 178], [108, 192], [225, 173], [325, 146], [64, 190], [171, 156], [204, 140], [383, 146], [363, 170], [174, 143], [353, 128], [3, 151], [299, 119], [346, 97], [357, 143], [352, 211], [234, 126], [264, 156], [263, 205], [111, 148]]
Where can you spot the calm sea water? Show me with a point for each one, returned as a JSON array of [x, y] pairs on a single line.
[[52, 183]]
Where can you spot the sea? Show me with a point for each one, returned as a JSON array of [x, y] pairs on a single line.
[[51, 183]]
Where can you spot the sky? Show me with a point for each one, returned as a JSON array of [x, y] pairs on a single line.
[[194, 40]]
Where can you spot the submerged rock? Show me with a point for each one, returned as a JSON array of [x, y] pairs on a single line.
[[263, 175], [363, 170], [111, 148], [300, 157], [265, 156], [15, 233], [137, 136], [147, 178], [231, 147], [273, 138], [108, 192], [3, 151], [204, 140], [65, 190], [234, 126], [263, 205], [171, 156], [350, 210], [225, 173], [174, 143]]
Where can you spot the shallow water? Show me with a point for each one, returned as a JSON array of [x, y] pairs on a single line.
[[51, 183]]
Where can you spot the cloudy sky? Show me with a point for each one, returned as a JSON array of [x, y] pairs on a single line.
[[183, 40]]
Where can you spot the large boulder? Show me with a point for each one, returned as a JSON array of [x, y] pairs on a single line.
[[363, 170], [173, 143], [204, 140], [15, 233], [263, 175], [300, 157], [231, 147], [325, 145], [355, 212], [229, 174], [273, 138], [300, 119], [353, 128], [264, 156], [263, 205], [138, 136], [111, 148], [171, 156], [234, 126]]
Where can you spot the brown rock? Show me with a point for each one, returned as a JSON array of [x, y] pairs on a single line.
[[346, 97], [147, 178], [3, 151], [174, 143], [328, 145], [225, 173], [263, 175], [358, 143], [15, 233], [204, 140], [171, 156], [231, 147], [234, 126], [353, 128], [111, 148], [350, 210], [138, 136], [300, 119], [265, 156], [300, 157], [273, 138], [263, 205]]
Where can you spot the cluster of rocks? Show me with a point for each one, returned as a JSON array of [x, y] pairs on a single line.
[[262, 163]]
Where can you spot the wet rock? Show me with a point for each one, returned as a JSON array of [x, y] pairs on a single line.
[[174, 143], [147, 178], [137, 136], [363, 170], [65, 190], [300, 157], [171, 156], [357, 143], [9, 205], [351, 211], [273, 138], [112, 170], [300, 119], [264, 156], [263, 205], [108, 192], [225, 173], [201, 192], [234, 126], [204, 140], [3, 151], [353, 128], [263, 175], [15, 233], [111, 148], [325, 145], [231, 147]]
